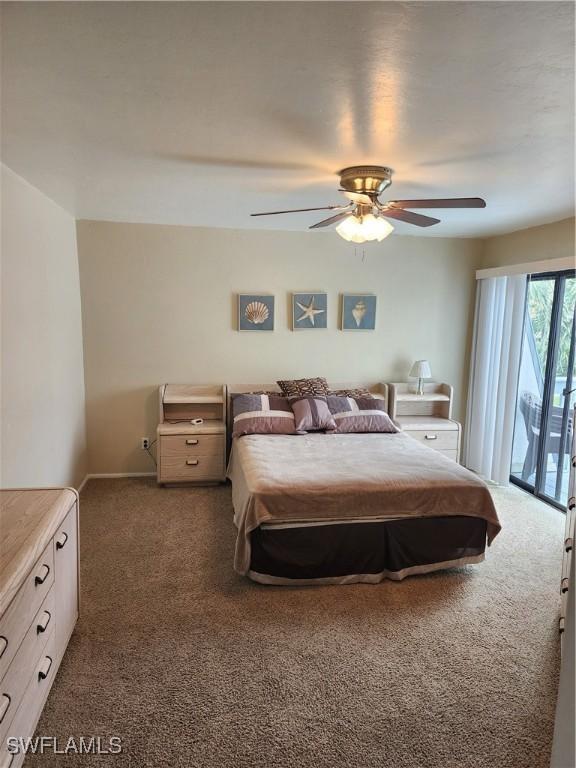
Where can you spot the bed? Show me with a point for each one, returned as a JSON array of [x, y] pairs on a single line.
[[345, 508]]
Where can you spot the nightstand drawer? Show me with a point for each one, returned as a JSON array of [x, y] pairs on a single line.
[[440, 439], [177, 446], [190, 468], [450, 454]]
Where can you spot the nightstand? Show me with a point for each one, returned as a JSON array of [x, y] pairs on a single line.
[[427, 417], [188, 452]]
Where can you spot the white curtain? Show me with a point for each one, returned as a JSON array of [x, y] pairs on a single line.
[[496, 348]]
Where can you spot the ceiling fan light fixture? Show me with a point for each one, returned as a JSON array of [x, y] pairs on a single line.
[[365, 228]]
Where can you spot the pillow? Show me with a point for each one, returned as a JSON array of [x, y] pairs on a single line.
[[311, 414], [360, 414], [355, 392], [262, 415], [303, 387]]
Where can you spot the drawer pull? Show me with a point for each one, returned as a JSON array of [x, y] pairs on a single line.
[[192, 462], [431, 437], [3, 645], [564, 585], [43, 623], [4, 705], [61, 540], [45, 668], [568, 544], [191, 442], [41, 579], [572, 503]]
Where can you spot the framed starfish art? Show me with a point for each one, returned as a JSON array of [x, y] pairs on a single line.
[[309, 310]]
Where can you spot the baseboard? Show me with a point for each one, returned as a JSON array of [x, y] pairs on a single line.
[[112, 475], [83, 483]]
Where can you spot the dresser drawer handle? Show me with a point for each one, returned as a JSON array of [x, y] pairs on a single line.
[[43, 623], [572, 503], [4, 705], [41, 579], [61, 540], [431, 437], [568, 544], [3, 645], [191, 442], [192, 462], [45, 668], [564, 585]]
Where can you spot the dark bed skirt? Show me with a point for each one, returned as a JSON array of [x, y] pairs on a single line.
[[345, 553]]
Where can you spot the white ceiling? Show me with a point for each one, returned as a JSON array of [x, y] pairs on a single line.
[[200, 113]]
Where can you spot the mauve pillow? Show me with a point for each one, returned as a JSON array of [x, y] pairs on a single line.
[[262, 415], [360, 414], [311, 414]]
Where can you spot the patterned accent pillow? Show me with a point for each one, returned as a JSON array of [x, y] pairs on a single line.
[[311, 414], [262, 415], [361, 414], [358, 392], [303, 387]]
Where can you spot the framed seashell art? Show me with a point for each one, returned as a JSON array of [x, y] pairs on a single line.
[[309, 310], [255, 312], [358, 312]]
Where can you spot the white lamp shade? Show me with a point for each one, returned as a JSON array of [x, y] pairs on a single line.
[[361, 229], [421, 370]]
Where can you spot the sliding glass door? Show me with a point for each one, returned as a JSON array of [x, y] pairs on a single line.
[[543, 427]]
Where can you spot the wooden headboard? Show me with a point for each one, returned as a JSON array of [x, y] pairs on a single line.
[[378, 389]]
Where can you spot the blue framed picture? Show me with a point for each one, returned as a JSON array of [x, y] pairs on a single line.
[[358, 312], [309, 310], [255, 312]]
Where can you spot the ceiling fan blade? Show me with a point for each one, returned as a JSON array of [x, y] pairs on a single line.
[[408, 217], [300, 210], [331, 220], [450, 202]]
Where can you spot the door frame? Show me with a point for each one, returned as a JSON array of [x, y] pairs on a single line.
[[548, 391]]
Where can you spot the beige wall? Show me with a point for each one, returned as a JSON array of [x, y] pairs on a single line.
[[159, 305], [42, 438], [549, 241]]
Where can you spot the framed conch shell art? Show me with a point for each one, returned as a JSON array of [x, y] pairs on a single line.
[[358, 312], [255, 312]]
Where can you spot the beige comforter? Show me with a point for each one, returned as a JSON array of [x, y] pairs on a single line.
[[323, 477]]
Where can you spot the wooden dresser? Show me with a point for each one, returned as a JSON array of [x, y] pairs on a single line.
[[566, 588], [189, 452], [427, 417], [39, 599]]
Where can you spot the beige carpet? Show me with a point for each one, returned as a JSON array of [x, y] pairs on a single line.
[[195, 666]]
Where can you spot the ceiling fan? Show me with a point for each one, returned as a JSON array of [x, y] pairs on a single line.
[[365, 217]]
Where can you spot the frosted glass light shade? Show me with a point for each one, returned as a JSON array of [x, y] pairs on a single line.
[[369, 227], [421, 370]]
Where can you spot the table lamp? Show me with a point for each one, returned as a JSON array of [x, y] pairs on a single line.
[[420, 370]]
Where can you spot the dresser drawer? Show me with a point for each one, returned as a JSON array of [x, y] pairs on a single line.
[[440, 440], [66, 575], [20, 670], [16, 620], [191, 468], [191, 445], [27, 714]]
